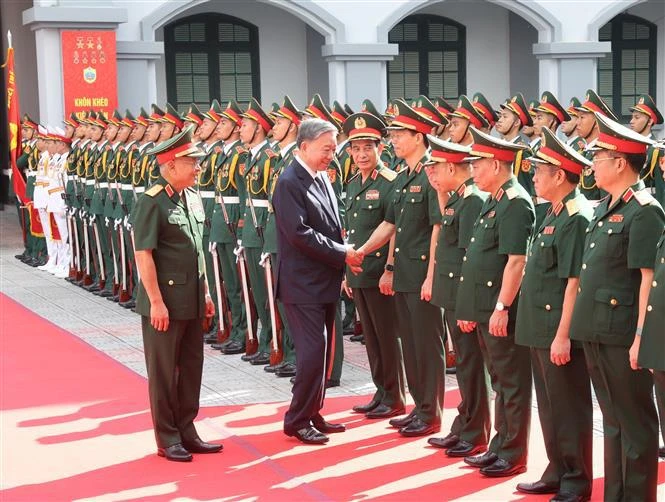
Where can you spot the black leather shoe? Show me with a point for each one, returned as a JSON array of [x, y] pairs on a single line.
[[210, 338], [326, 427], [308, 435], [272, 368], [364, 408], [482, 460], [175, 453], [419, 428], [198, 446], [357, 338], [233, 348], [105, 293], [261, 359], [92, 288], [539, 487], [287, 370], [248, 357], [20, 257], [565, 496], [465, 449], [398, 423], [661, 452], [445, 442], [383, 411], [332, 383], [130, 304], [502, 468], [451, 371], [115, 298]]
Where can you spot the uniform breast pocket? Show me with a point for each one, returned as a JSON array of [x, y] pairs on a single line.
[[614, 311], [172, 278], [546, 252], [617, 240], [449, 229], [489, 237], [414, 201]]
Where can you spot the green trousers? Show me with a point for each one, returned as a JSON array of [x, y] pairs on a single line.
[[174, 360], [229, 275], [566, 419], [472, 423], [420, 327], [509, 366], [377, 314], [630, 424]]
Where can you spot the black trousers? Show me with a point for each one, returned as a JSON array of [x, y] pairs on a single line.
[[312, 330], [174, 359]]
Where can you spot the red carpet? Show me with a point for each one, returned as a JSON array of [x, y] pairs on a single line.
[[75, 425]]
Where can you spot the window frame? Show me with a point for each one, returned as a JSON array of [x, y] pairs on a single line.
[[424, 46], [212, 47]]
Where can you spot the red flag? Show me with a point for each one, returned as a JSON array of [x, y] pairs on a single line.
[[14, 120]]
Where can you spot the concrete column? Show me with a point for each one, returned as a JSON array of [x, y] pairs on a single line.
[[49, 76]]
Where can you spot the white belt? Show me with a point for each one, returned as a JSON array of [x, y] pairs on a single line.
[[343, 195], [259, 202], [104, 185], [125, 186], [206, 194], [139, 189], [228, 200], [89, 182]]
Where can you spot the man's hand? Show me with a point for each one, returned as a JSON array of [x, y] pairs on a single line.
[[499, 323], [386, 283], [346, 289], [633, 353], [159, 316], [466, 326], [426, 289], [560, 350], [354, 259]]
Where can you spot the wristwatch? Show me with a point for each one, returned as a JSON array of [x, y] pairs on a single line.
[[389, 268], [501, 307]]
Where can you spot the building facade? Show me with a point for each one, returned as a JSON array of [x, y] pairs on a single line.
[[185, 51]]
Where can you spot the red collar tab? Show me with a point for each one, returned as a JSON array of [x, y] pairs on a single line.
[[169, 190], [557, 209], [461, 190], [628, 194], [499, 194]]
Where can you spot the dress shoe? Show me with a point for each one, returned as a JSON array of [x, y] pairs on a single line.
[[465, 449], [661, 452], [129, 304], [445, 442], [419, 428], [248, 357], [383, 411], [261, 359], [326, 427], [114, 298], [287, 370], [364, 408], [398, 423], [308, 435], [332, 383], [175, 453], [20, 256], [357, 338], [226, 343], [539, 487], [482, 460], [272, 368], [198, 446], [502, 468], [92, 288], [565, 496], [210, 338]]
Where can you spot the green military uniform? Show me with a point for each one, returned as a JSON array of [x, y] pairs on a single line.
[[472, 422], [564, 392], [621, 240], [114, 274], [367, 203], [504, 227], [652, 173], [171, 226]]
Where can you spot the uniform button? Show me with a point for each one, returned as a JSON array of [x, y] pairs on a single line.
[[378, 253], [399, 229], [461, 279], [370, 206], [451, 275], [358, 197], [662, 260], [548, 307], [413, 200], [355, 215], [587, 230], [583, 266], [654, 284], [171, 283], [353, 230], [649, 308], [530, 253], [464, 258], [482, 220], [579, 290], [539, 235], [396, 250], [473, 239], [489, 284], [600, 223], [592, 245], [609, 231], [423, 257], [542, 244], [403, 190], [614, 302]]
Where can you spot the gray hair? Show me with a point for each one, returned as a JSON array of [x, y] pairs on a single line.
[[311, 129]]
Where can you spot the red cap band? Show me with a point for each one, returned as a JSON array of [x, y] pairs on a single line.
[[497, 153], [593, 107], [524, 117], [256, 116], [648, 111], [231, 114], [565, 162], [173, 119], [553, 110], [404, 121], [621, 145], [365, 132], [454, 157], [470, 117], [192, 117], [316, 112], [485, 111], [293, 117], [428, 114], [163, 158]]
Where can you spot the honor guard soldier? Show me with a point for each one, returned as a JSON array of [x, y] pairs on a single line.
[[285, 131], [260, 165], [424, 106], [194, 119], [445, 109], [652, 346], [645, 116], [549, 288], [487, 300], [587, 128], [514, 116], [173, 297], [569, 127], [481, 104], [460, 200], [529, 131], [170, 124], [414, 219], [368, 195], [227, 223], [617, 274], [465, 116]]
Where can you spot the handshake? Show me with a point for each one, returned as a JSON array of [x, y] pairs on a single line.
[[354, 259]]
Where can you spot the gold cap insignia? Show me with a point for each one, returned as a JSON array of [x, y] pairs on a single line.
[[475, 99], [641, 101], [360, 123], [420, 104], [396, 110], [363, 107], [513, 99], [543, 100], [587, 97], [459, 104]]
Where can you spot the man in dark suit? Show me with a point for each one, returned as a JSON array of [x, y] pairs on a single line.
[[311, 255]]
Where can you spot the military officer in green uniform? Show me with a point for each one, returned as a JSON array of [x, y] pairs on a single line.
[[368, 195], [645, 116], [652, 346], [547, 296], [617, 274], [414, 218], [482, 104], [465, 116], [513, 118], [587, 129], [460, 201], [487, 300], [173, 297], [569, 127]]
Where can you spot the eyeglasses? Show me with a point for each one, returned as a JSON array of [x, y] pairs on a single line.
[[596, 160]]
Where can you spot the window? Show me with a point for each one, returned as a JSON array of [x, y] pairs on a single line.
[[431, 59], [630, 69], [211, 56]]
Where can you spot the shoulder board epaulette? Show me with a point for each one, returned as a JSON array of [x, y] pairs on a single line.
[[511, 193], [468, 191], [240, 149], [572, 207], [154, 190], [643, 197], [388, 174]]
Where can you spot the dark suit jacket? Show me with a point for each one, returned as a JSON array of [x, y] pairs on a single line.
[[310, 248]]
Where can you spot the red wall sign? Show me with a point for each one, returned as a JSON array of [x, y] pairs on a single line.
[[89, 71]]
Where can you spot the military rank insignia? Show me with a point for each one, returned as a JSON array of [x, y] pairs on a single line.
[[372, 195], [548, 230], [491, 214], [449, 211], [415, 189], [616, 218]]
